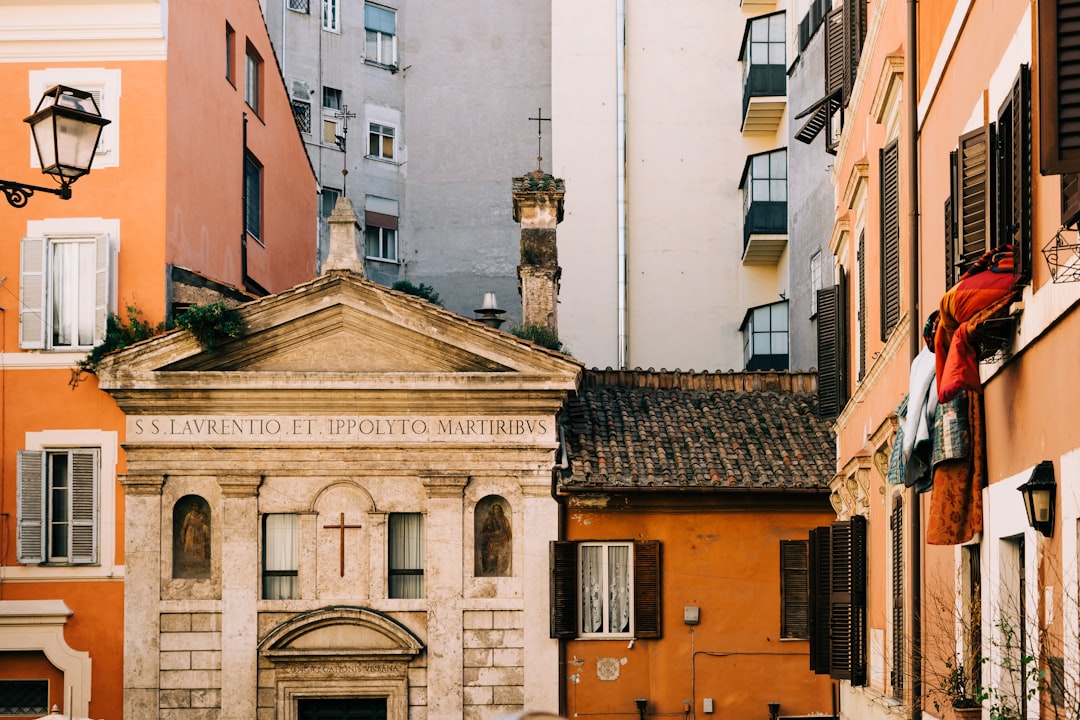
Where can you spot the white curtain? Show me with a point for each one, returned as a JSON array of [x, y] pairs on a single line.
[[619, 588], [592, 588], [72, 288], [281, 555], [406, 553]]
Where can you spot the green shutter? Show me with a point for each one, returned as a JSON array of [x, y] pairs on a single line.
[[647, 589], [32, 293], [564, 591], [30, 505]]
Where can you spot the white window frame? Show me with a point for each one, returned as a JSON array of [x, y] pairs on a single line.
[[387, 244], [331, 117], [331, 16], [815, 281], [604, 597], [253, 70], [385, 44], [105, 86], [377, 129]]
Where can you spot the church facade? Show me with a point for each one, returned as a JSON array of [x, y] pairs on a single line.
[[350, 504]]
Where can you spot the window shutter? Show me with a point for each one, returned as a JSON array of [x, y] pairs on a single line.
[[564, 592], [84, 507], [890, 237], [854, 33], [861, 261], [1059, 92], [647, 589], [818, 575], [834, 53], [1070, 198], [975, 183], [32, 293], [951, 226], [847, 601], [30, 489], [101, 286], [896, 526], [1014, 174], [794, 590], [832, 349]]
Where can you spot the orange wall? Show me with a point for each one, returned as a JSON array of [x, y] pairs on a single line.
[[728, 564], [33, 666]]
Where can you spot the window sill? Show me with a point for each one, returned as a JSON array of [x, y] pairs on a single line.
[[388, 161], [384, 261], [392, 68]]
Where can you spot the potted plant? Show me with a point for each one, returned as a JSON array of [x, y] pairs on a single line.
[[963, 692]]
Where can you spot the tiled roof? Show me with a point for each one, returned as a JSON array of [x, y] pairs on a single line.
[[647, 429]]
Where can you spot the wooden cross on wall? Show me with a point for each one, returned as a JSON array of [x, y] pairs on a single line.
[[342, 527]]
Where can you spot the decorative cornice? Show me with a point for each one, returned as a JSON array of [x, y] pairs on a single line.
[[856, 182], [90, 32], [445, 486], [891, 75], [142, 484], [841, 229], [239, 486]]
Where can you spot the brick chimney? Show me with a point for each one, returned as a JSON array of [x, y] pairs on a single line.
[[538, 206], [346, 240]]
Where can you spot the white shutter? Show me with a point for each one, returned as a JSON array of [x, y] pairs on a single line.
[[32, 293], [30, 505], [102, 278], [84, 506]]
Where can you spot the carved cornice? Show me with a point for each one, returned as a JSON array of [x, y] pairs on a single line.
[[445, 486], [239, 486], [135, 484]]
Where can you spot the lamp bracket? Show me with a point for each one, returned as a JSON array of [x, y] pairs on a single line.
[[18, 194]]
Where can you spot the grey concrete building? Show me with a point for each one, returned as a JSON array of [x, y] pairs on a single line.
[[427, 107]]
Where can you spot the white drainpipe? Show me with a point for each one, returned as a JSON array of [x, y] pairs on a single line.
[[620, 105]]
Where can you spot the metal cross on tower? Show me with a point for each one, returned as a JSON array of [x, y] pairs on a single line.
[[343, 115], [539, 134]]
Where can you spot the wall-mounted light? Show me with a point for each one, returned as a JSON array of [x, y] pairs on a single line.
[[65, 128], [774, 710], [642, 706], [1039, 495]]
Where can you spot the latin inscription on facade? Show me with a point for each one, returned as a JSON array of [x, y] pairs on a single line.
[[273, 429]]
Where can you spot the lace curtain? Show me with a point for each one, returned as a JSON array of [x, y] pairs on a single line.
[[605, 588]]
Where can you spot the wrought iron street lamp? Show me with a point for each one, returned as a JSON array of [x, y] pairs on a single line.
[[1039, 492], [66, 128]]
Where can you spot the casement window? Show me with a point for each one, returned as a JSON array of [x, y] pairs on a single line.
[[20, 698], [765, 337], [794, 590], [300, 6], [253, 196], [57, 506], [380, 228], [253, 79], [331, 111], [381, 141], [990, 201], [838, 600], [889, 157], [328, 200], [815, 281], [1059, 95], [302, 112], [605, 589], [230, 54], [832, 323], [330, 18], [281, 556], [860, 267], [64, 293], [406, 555], [380, 26], [896, 540]]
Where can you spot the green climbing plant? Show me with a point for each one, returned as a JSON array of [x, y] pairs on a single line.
[[119, 333], [211, 324], [421, 291]]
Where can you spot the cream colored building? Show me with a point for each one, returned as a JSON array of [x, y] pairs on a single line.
[[346, 453]]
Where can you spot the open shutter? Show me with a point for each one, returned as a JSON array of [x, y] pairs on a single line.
[[1059, 86], [890, 237], [854, 34], [1014, 174], [30, 502], [847, 601], [84, 506], [647, 589], [103, 267], [834, 53], [32, 293], [564, 593], [951, 226], [832, 348], [896, 526], [975, 184], [818, 576], [794, 590]]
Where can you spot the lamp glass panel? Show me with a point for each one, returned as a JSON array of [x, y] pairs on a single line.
[[76, 141]]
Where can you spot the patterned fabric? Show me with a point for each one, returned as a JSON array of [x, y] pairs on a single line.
[[956, 508], [895, 473], [952, 431]]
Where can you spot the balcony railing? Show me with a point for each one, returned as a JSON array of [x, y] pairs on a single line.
[[768, 82], [764, 232]]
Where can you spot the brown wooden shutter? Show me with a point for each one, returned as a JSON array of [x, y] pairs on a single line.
[[890, 237], [794, 589], [834, 53], [818, 575], [861, 261], [832, 348], [854, 34], [975, 184], [647, 589], [896, 526], [564, 591], [1070, 198], [847, 601], [951, 226], [1059, 86], [1014, 174]]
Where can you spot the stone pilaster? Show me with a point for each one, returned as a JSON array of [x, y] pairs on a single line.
[[542, 659], [239, 594], [538, 206]]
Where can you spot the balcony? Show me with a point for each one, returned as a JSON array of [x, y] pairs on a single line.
[[764, 232], [757, 5], [764, 98]]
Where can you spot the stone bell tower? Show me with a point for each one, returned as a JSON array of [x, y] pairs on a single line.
[[538, 207]]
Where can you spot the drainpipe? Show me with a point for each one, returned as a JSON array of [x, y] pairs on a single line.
[[620, 131], [243, 210], [911, 90]]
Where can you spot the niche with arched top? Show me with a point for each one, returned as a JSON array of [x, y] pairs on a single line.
[[493, 537], [192, 538]]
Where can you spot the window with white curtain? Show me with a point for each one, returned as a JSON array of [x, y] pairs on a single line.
[[380, 26], [606, 583], [406, 555], [281, 560]]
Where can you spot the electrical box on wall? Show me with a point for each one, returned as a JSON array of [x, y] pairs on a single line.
[[707, 705], [690, 614]]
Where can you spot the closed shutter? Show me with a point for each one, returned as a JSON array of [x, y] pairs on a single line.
[[860, 259], [647, 589], [564, 592], [794, 590], [84, 506], [854, 34], [890, 237], [102, 275], [951, 225], [30, 504], [847, 601], [896, 526], [32, 293], [1059, 86], [1014, 174], [818, 576], [832, 348], [975, 185], [834, 53]]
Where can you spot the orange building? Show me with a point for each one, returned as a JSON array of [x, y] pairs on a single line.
[[680, 585], [200, 190]]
